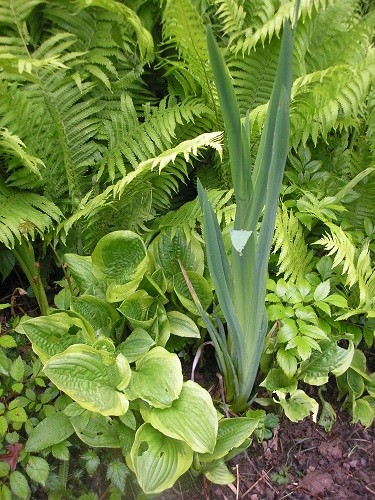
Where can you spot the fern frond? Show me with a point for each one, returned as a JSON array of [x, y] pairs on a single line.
[[232, 15], [12, 145], [145, 41], [338, 243], [295, 259], [15, 11], [186, 149], [272, 22], [131, 142], [326, 100], [24, 214], [183, 28]]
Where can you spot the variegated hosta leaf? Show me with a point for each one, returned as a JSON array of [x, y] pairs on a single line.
[[120, 258], [97, 312], [80, 267], [191, 418], [231, 434], [138, 310], [200, 285], [136, 345], [157, 460], [92, 378], [51, 335], [181, 325], [157, 378], [95, 429], [218, 473]]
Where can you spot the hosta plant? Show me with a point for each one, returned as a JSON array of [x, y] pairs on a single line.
[[105, 349]]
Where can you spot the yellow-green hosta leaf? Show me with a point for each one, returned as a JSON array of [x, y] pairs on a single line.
[[298, 405], [157, 460], [181, 325], [201, 287], [191, 418], [231, 434], [80, 267], [120, 257], [363, 412], [96, 430], [96, 311], [218, 473], [157, 378], [138, 310], [136, 345], [51, 335], [91, 378]]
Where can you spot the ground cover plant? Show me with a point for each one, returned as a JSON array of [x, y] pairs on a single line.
[[109, 112]]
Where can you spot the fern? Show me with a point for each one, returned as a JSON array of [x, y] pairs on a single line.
[[295, 259], [339, 243], [23, 215], [15, 11]]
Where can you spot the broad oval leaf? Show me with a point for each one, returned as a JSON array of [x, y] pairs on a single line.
[[298, 405], [231, 434], [51, 335], [181, 325], [138, 310], [201, 287], [96, 430], [52, 430], [191, 418], [332, 359], [120, 257], [80, 267], [218, 473], [136, 345], [91, 378], [170, 248], [157, 379], [158, 460], [97, 311]]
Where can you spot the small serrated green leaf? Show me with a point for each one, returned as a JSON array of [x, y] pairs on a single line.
[[60, 451], [19, 485], [7, 341], [117, 473], [17, 369], [322, 290], [3, 426], [287, 362], [17, 415], [37, 469]]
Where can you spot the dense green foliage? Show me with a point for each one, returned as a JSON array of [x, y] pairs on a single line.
[[108, 116]]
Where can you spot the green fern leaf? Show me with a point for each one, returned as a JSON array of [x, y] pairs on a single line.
[[295, 259]]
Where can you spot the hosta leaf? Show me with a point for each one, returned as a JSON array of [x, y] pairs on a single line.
[[96, 311], [218, 473], [37, 469], [120, 257], [231, 434], [298, 405], [157, 378], [363, 412], [332, 359], [157, 460], [168, 249], [96, 430], [51, 335], [182, 326], [80, 267], [201, 287], [136, 345], [137, 309], [191, 418], [92, 378]]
